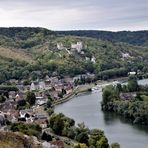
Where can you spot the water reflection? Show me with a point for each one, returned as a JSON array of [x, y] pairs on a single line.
[[111, 118], [86, 108]]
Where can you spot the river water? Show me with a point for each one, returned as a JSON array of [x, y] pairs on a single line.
[[86, 108]]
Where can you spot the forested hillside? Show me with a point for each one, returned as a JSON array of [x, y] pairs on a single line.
[[139, 38], [31, 53], [24, 37]]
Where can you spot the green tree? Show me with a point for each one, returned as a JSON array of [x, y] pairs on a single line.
[[50, 111], [132, 83], [21, 104], [26, 128], [49, 104], [109, 93], [119, 87], [57, 123], [95, 136], [71, 133], [30, 98], [2, 99], [115, 145], [61, 124], [82, 138], [46, 136], [102, 143], [81, 146]]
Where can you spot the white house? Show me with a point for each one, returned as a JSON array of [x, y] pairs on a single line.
[[28, 114]]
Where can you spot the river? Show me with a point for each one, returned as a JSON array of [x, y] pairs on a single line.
[[86, 108]]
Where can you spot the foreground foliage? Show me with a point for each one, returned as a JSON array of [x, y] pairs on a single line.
[[65, 126], [26, 128]]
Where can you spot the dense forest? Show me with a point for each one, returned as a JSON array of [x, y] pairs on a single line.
[[24, 37], [139, 38], [31, 53]]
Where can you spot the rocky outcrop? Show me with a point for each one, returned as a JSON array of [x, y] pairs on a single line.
[[18, 140]]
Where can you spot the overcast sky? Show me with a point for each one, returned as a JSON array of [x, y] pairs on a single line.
[[75, 14]]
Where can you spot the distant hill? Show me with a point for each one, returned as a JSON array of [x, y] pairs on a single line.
[[139, 38], [31, 53], [24, 37]]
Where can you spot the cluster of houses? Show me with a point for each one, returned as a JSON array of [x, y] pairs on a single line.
[[9, 107], [9, 111], [30, 115], [52, 86]]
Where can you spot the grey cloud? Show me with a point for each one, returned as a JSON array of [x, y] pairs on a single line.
[[75, 14]]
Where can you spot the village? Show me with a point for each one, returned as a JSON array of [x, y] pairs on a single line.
[[51, 87]]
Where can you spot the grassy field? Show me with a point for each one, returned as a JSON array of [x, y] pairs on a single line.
[[17, 54]]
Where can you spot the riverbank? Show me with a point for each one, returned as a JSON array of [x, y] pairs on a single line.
[[76, 91], [129, 101], [87, 108], [85, 88]]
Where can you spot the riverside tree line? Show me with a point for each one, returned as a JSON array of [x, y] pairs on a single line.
[[134, 108]]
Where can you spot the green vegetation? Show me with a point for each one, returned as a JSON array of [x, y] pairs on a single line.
[[115, 145], [50, 111], [46, 137], [112, 73], [8, 88], [22, 104], [81, 146], [31, 53], [132, 84], [30, 98], [65, 126], [58, 123], [134, 38], [4, 90], [23, 37], [2, 99], [26, 128], [121, 99]]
